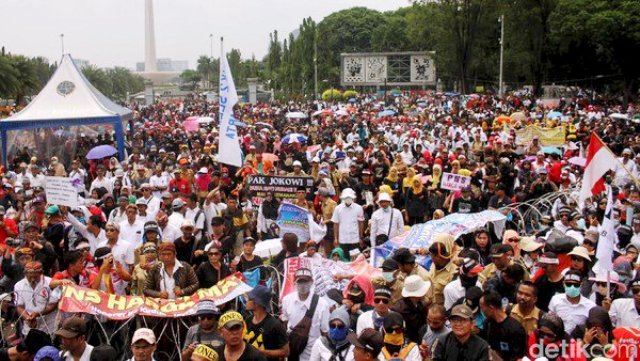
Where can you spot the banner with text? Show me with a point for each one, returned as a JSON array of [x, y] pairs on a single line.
[[546, 136], [61, 191], [99, 303], [293, 219], [421, 235], [284, 187], [454, 182], [324, 270]]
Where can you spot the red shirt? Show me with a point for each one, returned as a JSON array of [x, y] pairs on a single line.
[[85, 279], [183, 185], [11, 225]]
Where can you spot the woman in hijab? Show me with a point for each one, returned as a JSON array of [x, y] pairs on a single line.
[[400, 165], [406, 181], [338, 255], [550, 335], [416, 205], [596, 333], [393, 181], [334, 346], [267, 214], [108, 204]]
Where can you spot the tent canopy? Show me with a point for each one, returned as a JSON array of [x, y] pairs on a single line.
[[68, 99]]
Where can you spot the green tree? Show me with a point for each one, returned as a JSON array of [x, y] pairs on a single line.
[[27, 78], [124, 82], [99, 79], [191, 77], [205, 68], [8, 77]]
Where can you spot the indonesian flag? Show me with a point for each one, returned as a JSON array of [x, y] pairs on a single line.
[[600, 160]]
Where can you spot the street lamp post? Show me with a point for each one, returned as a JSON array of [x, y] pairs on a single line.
[[211, 63], [315, 64], [62, 42], [501, 20]]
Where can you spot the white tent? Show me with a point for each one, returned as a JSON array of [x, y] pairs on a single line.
[[68, 99]]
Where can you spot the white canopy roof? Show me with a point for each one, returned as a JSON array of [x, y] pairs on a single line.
[[69, 95]]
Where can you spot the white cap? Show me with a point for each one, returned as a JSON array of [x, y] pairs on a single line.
[[297, 163], [348, 193], [144, 334], [203, 170], [187, 223], [384, 196]]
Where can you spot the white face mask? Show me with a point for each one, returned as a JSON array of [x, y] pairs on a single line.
[[348, 201]]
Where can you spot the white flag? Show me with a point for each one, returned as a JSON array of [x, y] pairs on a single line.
[[228, 146], [608, 239]]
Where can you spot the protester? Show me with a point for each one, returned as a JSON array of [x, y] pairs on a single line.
[[74, 340], [461, 343], [231, 326]]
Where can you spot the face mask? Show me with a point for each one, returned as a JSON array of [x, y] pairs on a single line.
[[348, 201], [82, 220], [303, 288], [386, 210], [572, 291], [581, 224], [468, 281], [388, 276], [396, 339], [338, 334]]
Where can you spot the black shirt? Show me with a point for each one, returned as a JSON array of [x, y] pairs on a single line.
[[269, 334], [475, 349], [250, 354], [209, 276], [546, 290], [461, 205], [508, 338]]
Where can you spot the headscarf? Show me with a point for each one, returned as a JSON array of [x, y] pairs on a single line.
[[436, 175], [555, 324], [340, 252], [365, 285], [406, 182], [393, 175], [329, 185], [386, 189], [419, 188]]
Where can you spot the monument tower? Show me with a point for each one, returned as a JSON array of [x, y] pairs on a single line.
[[150, 63]]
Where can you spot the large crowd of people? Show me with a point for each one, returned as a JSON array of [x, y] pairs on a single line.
[[169, 219]]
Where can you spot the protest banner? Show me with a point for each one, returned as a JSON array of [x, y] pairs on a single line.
[[324, 271], [454, 182], [421, 235], [115, 307], [61, 191], [284, 187], [546, 136], [293, 219]]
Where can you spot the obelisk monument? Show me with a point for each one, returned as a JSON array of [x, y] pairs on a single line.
[[150, 64]]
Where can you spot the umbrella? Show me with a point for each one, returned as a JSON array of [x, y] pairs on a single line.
[[270, 157], [503, 119], [579, 161], [452, 94], [518, 116], [191, 125], [554, 114], [386, 113], [551, 150], [618, 116], [296, 115], [473, 96], [101, 151], [268, 248], [342, 112], [294, 138], [263, 125]]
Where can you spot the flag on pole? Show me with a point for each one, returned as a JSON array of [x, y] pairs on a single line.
[[608, 239], [600, 160], [228, 145]]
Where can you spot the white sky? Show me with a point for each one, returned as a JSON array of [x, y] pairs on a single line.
[[111, 32]]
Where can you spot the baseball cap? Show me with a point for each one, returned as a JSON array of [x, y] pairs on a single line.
[[297, 163], [217, 221], [230, 319], [48, 352], [72, 327], [404, 256], [144, 334], [549, 258], [304, 272], [177, 203], [462, 311], [369, 339], [205, 352], [52, 210], [499, 250], [390, 264], [261, 295], [207, 307]]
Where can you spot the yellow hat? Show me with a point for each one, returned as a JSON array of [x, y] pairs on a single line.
[[205, 352], [230, 319]]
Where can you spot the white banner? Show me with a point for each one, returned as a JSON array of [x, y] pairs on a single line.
[[454, 182], [228, 148], [61, 191]]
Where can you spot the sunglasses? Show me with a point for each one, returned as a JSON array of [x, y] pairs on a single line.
[[338, 326], [110, 230], [381, 300], [546, 334], [214, 253], [206, 317], [397, 330], [635, 290], [84, 249], [579, 259]]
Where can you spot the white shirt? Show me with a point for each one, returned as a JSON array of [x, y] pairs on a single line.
[[212, 210], [365, 320], [623, 313], [170, 233], [97, 183], [78, 174], [37, 180], [117, 215], [320, 352], [122, 251], [153, 205], [455, 291], [168, 283], [159, 181], [36, 299], [132, 233], [86, 355], [380, 224], [94, 241], [347, 219], [175, 220], [199, 222], [293, 310], [572, 315]]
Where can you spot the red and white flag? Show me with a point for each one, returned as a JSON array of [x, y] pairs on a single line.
[[600, 160]]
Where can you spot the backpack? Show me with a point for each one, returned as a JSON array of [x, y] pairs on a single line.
[[299, 335], [402, 355]]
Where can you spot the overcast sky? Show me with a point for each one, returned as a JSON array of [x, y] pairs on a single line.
[[111, 32]]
